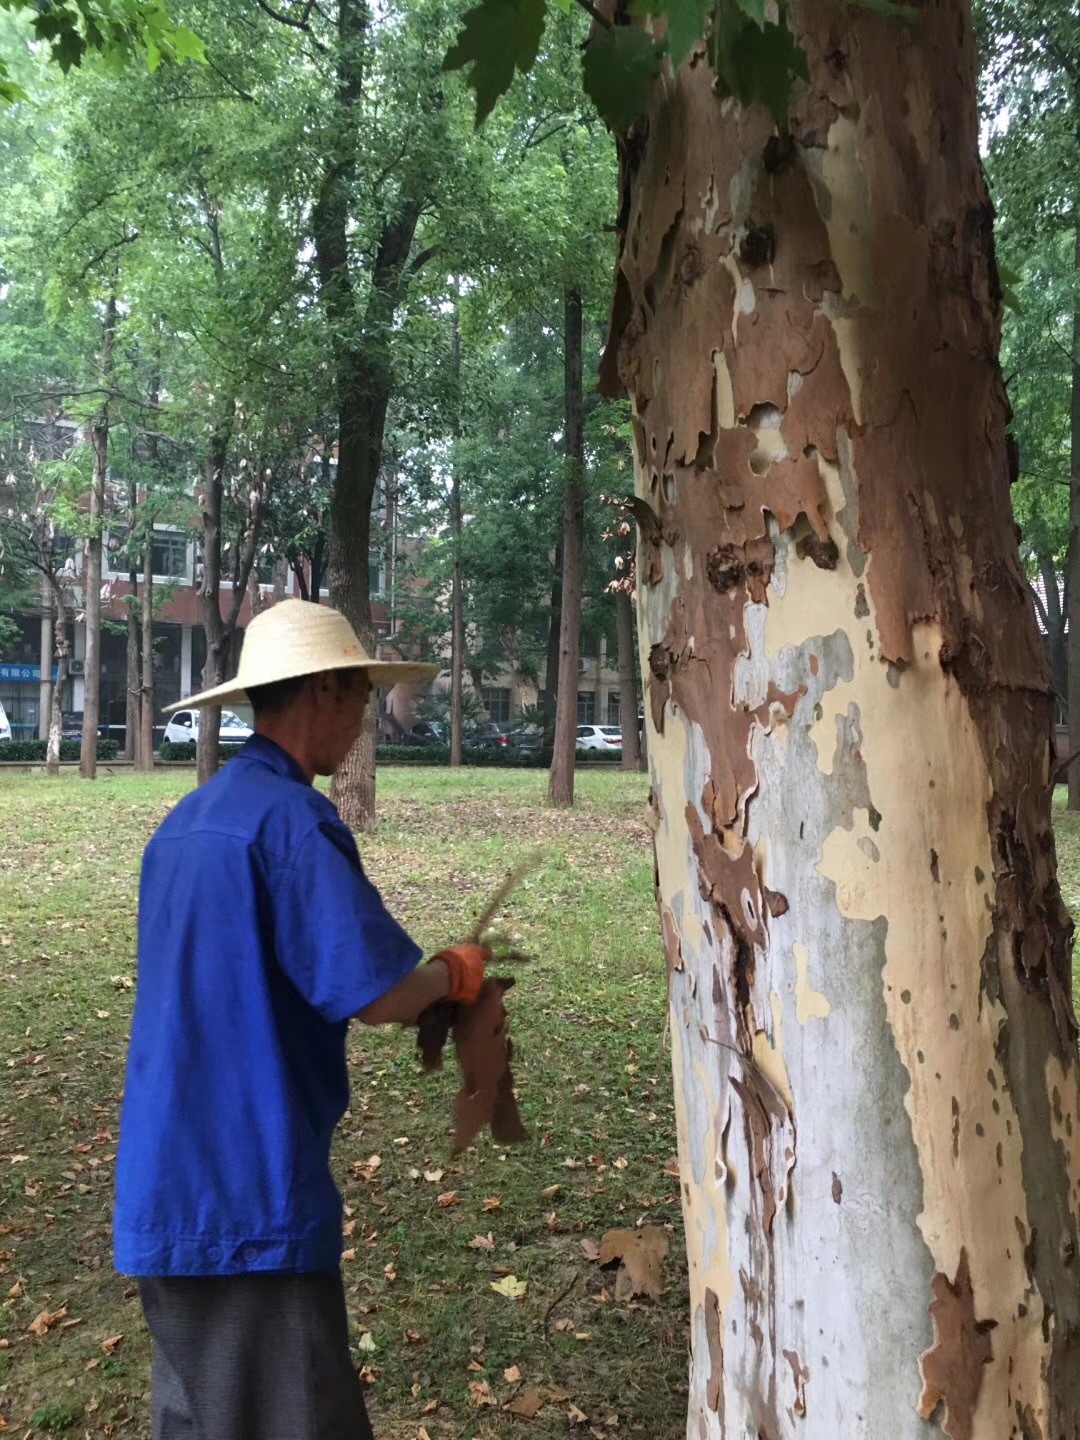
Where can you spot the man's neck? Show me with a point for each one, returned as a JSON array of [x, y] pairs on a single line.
[[290, 733]]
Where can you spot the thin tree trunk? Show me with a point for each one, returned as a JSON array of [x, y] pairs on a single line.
[[628, 690], [561, 779], [99, 441], [208, 747], [1073, 587], [457, 631], [146, 708], [551, 664], [850, 730], [56, 718], [1056, 639], [133, 687], [45, 687]]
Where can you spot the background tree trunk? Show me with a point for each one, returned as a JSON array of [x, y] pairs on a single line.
[[628, 689], [551, 665], [99, 441], [1073, 584], [145, 760], [45, 688], [561, 779], [457, 598], [56, 717], [208, 746], [850, 735]]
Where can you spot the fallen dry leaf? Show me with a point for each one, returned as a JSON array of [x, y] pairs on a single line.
[[390, 1272], [590, 1249], [348, 1228], [492, 1203], [642, 1255], [564, 1325], [527, 1405], [482, 1242], [44, 1322], [112, 1344], [365, 1169], [550, 1190], [511, 1287], [5, 1344], [348, 1254], [15, 1291], [429, 1407], [621, 1163], [512, 1375], [422, 1434], [583, 1336], [413, 1337], [480, 1392], [557, 1394], [434, 1176], [366, 1343], [447, 1198], [576, 1416]]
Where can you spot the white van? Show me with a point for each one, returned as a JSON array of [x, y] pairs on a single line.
[[5, 725]]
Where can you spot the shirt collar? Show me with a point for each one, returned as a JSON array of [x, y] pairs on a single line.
[[265, 751]]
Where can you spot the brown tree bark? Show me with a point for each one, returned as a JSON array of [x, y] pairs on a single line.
[[1073, 583], [551, 664], [63, 651], [363, 364], [628, 689], [208, 746], [561, 779], [99, 442], [850, 735], [133, 686]]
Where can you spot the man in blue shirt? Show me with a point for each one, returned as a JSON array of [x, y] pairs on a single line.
[[259, 938]]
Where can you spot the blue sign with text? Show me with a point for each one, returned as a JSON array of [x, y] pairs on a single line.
[[28, 674]]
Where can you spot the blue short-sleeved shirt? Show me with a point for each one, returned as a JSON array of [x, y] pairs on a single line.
[[259, 935]]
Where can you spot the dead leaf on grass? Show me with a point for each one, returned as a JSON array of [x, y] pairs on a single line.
[[642, 1255], [492, 1203], [422, 1434], [390, 1272], [348, 1254], [448, 1198], [482, 1242], [576, 1416], [550, 1190], [44, 1322], [112, 1344], [511, 1287], [366, 1169], [512, 1375], [527, 1405], [480, 1392], [564, 1325], [434, 1176], [621, 1163], [16, 1290], [590, 1249]]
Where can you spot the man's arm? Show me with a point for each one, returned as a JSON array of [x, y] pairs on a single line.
[[420, 988]]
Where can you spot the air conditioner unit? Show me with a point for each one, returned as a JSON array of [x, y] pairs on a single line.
[[583, 664], [76, 667]]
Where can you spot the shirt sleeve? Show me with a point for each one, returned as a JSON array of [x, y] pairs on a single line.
[[334, 938]]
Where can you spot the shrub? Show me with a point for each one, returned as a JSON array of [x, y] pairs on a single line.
[[34, 751], [185, 750]]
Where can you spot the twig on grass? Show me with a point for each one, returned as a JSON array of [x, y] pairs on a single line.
[[561, 1296]]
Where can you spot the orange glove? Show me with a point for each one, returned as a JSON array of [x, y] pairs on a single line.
[[466, 964]]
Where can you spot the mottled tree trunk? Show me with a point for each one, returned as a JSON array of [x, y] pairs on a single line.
[[99, 444], [45, 687], [133, 686], [628, 690], [551, 666], [561, 779], [208, 745], [1073, 586], [850, 739]]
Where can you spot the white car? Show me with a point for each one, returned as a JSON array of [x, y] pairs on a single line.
[[599, 737], [184, 727], [5, 725]]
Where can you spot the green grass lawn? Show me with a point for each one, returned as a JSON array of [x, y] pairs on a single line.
[[588, 1020]]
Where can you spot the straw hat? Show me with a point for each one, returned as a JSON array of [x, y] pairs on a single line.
[[296, 638]]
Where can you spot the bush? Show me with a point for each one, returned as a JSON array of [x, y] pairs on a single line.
[[185, 750], [440, 755], [37, 750]]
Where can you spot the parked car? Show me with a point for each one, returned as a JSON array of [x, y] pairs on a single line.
[[183, 727], [5, 725], [527, 739], [71, 723], [491, 736], [426, 732], [599, 737]]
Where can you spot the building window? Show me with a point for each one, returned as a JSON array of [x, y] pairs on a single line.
[[613, 712], [170, 554], [375, 572], [586, 707], [496, 701]]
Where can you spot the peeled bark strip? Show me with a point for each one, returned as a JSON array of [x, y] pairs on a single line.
[[99, 444], [1073, 582], [628, 690], [850, 739]]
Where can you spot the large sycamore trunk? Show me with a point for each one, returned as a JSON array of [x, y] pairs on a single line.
[[849, 734]]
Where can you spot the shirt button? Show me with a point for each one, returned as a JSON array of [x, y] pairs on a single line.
[[213, 1253]]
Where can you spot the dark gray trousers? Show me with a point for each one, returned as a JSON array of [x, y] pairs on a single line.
[[252, 1357]]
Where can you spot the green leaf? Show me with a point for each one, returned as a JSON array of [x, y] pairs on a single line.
[[564, 5], [187, 45], [686, 25], [755, 10], [618, 66], [153, 56], [758, 65], [496, 37]]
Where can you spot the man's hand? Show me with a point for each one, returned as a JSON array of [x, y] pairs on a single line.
[[465, 964]]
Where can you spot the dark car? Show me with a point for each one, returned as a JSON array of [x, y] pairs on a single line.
[[490, 736], [426, 732]]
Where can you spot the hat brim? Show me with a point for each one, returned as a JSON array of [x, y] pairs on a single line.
[[381, 673]]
